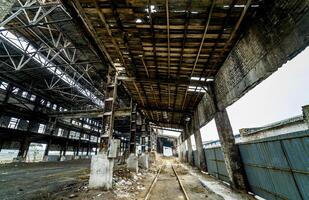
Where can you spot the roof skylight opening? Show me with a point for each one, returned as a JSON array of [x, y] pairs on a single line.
[[197, 89], [25, 46], [138, 21], [152, 9], [210, 79], [198, 78], [179, 11], [239, 6], [120, 69], [117, 64]]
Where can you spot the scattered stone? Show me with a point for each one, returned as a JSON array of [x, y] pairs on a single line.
[[73, 195]]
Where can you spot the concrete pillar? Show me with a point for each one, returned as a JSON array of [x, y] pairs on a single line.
[[65, 148], [183, 148], [230, 150], [88, 149], [45, 158], [63, 151], [102, 164], [1, 144], [78, 147], [23, 150], [179, 148], [199, 145], [190, 157], [200, 151], [143, 143]]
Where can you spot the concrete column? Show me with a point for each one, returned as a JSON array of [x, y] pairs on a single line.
[[47, 149], [199, 145], [200, 151], [179, 148], [184, 151], [88, 149], [101, 172], [183, 148], [78, 147], [190, 157], [65, 148], [143, 143], [1, 144], [60, 150], [23, 149], [230, 150]]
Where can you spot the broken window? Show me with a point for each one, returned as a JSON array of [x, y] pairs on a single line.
[[13, 123], [41, 128], [60, 132], [32, 97], [4, 86], [24, 94], [15, 90]]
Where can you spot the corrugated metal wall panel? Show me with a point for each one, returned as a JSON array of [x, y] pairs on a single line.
[[215, 163], [210, 161], [195, 159], [276, 167]]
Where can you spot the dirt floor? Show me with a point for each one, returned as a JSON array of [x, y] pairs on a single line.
[[69, 180], [41, 180], [168, 188]]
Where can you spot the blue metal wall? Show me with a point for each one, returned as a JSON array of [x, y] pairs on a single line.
[[215, 163], [276, 167], [195, 159]]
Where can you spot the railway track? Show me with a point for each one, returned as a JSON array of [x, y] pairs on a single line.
[[153, 184]]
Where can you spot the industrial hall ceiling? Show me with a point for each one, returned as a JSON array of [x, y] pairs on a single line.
[[167, 52]]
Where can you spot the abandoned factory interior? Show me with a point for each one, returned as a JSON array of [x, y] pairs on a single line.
[[154, 99]]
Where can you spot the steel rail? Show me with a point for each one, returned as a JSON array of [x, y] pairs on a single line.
[[180, 183], [155, 181]]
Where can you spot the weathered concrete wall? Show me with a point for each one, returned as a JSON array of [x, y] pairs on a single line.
[[5, 7], [276, 35]]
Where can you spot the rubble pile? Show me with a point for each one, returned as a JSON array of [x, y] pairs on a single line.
[[128, 186]]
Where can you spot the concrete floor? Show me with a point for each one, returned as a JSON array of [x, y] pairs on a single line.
[[40, 180]]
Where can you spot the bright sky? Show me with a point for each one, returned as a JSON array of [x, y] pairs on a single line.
[[278, 97]]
